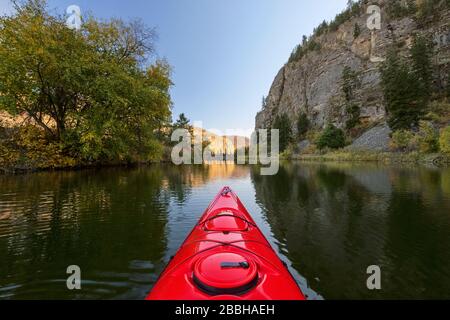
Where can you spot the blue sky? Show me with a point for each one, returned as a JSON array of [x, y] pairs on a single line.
[[225, 53]]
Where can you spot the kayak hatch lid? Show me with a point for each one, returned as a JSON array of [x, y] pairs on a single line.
[[225, 273]]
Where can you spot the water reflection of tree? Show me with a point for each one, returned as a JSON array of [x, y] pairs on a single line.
[[100, 220], [315, 214], [179, 181], [418, 241], [334, 221]]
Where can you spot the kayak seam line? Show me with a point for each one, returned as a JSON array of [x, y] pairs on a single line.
[[228, 215], [228, 243]]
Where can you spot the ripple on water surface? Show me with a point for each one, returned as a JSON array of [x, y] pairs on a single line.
[[327, 222]]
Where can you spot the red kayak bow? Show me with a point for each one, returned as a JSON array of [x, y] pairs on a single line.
[[226, 257]]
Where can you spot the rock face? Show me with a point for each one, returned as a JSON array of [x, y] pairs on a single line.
[[313, 84], [376, 139], [222, 144], [302, 145]]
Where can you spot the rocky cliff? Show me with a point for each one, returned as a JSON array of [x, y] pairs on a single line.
[[222, 144], [313, 85]]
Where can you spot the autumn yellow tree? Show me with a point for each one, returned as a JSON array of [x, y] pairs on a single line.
[[104, 98]]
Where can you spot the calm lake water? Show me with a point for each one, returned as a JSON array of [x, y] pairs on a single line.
[[329, 222]]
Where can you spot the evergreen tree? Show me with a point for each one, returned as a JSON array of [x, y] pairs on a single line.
[[421, 54], [402, 92], [412, 6], [356, 31], [264, 103], [304, 41], [302, 125], [350, 83], [321, 29], [283, 124], [182, 122], [428, 8], [354, 113], [401, 8]]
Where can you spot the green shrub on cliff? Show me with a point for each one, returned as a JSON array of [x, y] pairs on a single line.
[[356, 31], [354, 9], [428, 137], [331, 137], [444, 140], [429, 8], [439, 112], [403, 141], [399, 8], [350, 82], [308, 45]]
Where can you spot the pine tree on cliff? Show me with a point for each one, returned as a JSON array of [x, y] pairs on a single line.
[[302, 125], [264, 103], [421, 53], [403, 92], [350, 82], [283, 124], [356, 31]]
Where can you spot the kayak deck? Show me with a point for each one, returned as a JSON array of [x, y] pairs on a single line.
[[226, 257]]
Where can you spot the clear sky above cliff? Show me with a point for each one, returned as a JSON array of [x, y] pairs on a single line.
[[225, 53]]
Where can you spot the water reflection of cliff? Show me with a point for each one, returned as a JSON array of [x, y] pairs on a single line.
[[184, 178], [333, 221]]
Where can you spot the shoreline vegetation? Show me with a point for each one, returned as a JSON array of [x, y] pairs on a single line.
[[96, 97], [87, 98], [438, 159], [79, 98]]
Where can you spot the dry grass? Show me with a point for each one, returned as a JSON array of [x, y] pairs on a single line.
[[367, 156]]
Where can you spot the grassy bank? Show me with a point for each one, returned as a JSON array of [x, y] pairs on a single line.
[[367, 156]]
